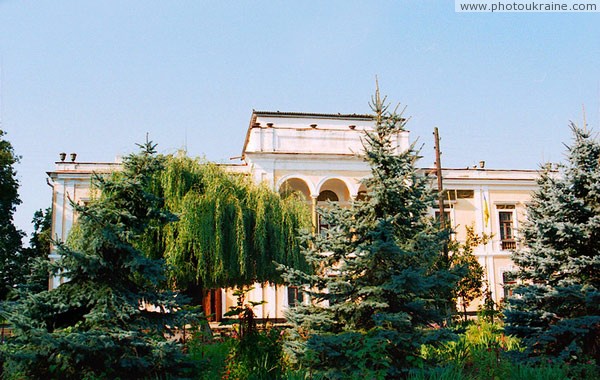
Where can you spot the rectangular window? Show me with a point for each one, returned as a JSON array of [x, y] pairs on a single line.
[[295, 296], [508, 282], [506, 230], [323, 226], [454, 194], [446, 216], [465, 194]]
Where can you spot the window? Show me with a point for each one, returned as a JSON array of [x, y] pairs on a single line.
[[454, 194], [295, 296], [507, 237], [508, 281], [465, 194], [326, 196], [447, 219], [362, 196]]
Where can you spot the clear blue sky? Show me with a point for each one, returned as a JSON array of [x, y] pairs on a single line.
[[93, 77]]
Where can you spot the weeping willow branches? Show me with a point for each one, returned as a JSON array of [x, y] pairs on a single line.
[[230, 231]]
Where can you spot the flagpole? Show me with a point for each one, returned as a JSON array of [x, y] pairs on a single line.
[[438, 170]]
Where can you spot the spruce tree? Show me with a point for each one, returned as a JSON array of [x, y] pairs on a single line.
[[555, 308], [376, 292], [111, 317]]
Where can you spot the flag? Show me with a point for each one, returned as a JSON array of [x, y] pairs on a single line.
[[486, 211]]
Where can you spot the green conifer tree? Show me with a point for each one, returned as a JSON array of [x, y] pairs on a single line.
[[556, 307], [111, 317], [375, 293]]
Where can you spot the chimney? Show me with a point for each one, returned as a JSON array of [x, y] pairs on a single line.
[[73, 157], [62, 156]]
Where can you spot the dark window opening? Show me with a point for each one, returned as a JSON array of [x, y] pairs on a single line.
[[509, 280], [446, 217], [327, 195], [506, 230], [452, 195], [295, 296], [362, 196]]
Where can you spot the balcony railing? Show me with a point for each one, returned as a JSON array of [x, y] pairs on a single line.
[[508, 244]]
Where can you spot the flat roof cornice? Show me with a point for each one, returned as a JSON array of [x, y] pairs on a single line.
[[316, 115]]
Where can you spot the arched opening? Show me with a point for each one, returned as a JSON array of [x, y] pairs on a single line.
[[338, 187], [295, 186], [332, 190], [327, 195], [363, 193]]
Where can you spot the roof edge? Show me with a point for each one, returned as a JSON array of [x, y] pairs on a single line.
[[247, 139], [317, 115]]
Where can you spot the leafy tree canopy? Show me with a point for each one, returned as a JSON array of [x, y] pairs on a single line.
[[229, 230], [470, 285], [35, 258], [11, 265]]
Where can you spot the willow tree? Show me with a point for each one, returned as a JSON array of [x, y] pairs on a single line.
[[230, 230]]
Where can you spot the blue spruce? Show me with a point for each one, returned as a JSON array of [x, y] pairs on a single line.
[[111, 318], [379, 289], [555, 307]]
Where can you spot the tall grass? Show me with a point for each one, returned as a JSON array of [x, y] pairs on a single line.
[[481, 352]]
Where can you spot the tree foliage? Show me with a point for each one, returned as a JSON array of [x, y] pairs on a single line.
[[556, 306], [111, 317], [35, 258], [12, 270], [229, 231], [41, 238], [375, 291], [469, 287]]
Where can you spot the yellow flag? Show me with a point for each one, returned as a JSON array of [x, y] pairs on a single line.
[[486, 211]]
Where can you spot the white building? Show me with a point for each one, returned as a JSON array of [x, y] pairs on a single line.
[[319, 156]]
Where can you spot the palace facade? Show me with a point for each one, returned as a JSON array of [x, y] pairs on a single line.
[[318, 155]]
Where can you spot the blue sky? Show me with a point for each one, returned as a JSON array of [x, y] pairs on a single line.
[[93, 77]]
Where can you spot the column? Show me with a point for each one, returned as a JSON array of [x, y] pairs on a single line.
[[313, 210]]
